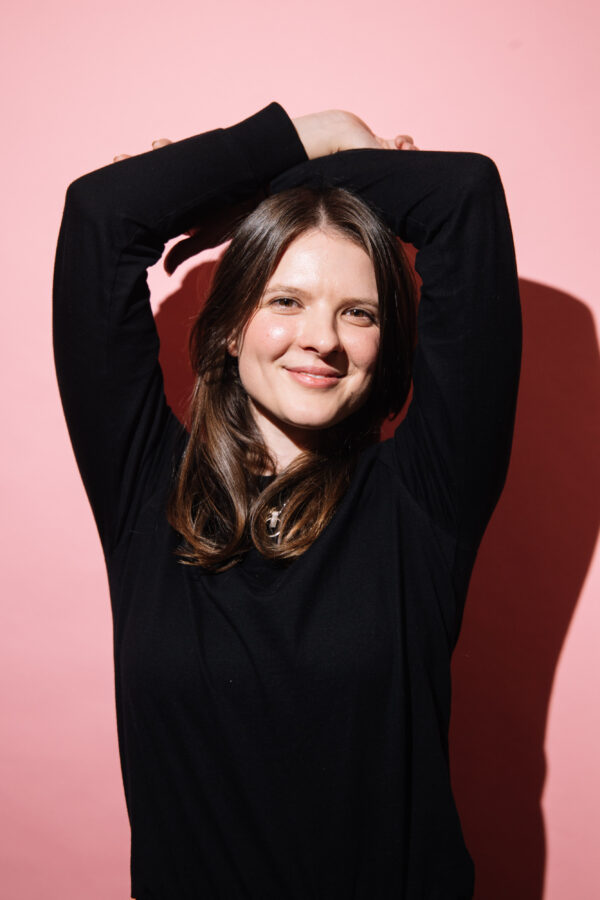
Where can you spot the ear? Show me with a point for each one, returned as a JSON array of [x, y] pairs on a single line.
[[232, 347]]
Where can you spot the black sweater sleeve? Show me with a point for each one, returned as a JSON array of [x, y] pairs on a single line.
[[453, 448], [115, 224]]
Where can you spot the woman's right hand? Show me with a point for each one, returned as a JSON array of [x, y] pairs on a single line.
[[327, 132]]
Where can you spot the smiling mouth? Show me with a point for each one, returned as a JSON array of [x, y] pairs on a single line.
[[312, 380]]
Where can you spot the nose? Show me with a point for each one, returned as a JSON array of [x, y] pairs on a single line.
[[319, 332]]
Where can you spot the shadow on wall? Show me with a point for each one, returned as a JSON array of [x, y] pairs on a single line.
[[531, 565], [174, 321]]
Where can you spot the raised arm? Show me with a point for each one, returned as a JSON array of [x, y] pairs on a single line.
[[115, 224], [453, 448]]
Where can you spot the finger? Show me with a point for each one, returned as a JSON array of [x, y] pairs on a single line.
[[121, 156], [400, 142], [386, 143], [160, 142]]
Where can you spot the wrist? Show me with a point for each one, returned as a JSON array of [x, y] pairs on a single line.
[[321, 133]]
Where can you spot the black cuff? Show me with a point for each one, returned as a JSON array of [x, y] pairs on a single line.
[[268, 141]]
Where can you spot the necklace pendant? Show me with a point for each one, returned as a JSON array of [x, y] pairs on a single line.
[[272, 522]]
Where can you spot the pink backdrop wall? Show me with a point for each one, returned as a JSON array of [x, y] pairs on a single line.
[[83, 81]]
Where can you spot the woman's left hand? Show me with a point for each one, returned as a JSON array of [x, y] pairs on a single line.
[[332, 130]]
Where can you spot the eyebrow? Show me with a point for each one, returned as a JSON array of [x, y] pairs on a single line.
[[288, 288]]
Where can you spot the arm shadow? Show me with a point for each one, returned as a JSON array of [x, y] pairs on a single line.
[[530, 570], [531, 566]]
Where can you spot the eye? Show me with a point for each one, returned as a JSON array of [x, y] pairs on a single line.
[[283, 302], [357, 313]]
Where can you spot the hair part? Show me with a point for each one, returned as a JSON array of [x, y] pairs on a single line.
[[217, 504]]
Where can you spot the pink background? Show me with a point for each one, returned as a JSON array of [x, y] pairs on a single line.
[[83, 81]]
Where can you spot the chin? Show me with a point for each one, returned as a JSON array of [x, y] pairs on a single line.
[[310, 425], [316, 423]]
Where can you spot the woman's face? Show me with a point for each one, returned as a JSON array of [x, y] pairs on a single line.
[[307, 355]]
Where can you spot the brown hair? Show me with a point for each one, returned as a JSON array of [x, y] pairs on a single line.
[[217, 503]]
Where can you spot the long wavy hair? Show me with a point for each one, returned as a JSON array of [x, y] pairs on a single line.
[[218, 503]]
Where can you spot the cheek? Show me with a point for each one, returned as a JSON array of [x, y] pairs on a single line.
[[268, 340], [363, 349]]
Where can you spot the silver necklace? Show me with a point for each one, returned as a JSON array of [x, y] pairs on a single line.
[[273, 518]]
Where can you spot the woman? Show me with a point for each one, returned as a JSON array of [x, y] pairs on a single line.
[[286, 590]]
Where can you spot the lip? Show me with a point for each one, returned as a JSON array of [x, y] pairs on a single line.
[[315, 370], [314, 376]]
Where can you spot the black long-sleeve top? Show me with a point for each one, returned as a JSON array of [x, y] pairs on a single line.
[[284, 731]]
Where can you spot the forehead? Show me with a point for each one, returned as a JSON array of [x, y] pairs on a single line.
[[325, 260]]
